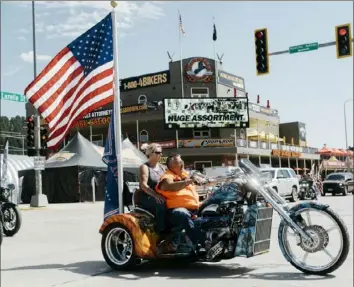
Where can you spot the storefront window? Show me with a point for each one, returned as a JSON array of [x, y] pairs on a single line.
[[201, 133]]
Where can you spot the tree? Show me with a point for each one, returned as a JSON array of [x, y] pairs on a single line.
[[13, 125]]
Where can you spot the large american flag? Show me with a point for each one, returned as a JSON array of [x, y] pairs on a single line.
[[77, 81]]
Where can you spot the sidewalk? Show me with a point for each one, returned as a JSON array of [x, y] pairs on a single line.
[[64, 206]]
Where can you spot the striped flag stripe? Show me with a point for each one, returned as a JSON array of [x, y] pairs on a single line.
[[54, 106], [66, 90], [87, 95], [60, 84], [48, 72], [92, 104], [97, 78]]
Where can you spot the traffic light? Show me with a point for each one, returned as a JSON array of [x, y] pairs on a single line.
[[343, 41], [44, 139], [261, 47], [31, 149]]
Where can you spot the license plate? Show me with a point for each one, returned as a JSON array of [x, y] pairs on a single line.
[[330, 189]]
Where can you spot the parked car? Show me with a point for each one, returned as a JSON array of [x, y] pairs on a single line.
[[284, 181], [339, 183]]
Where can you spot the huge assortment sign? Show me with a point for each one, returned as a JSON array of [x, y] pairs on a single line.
[[206, 143], [184, 113], [145, 81]]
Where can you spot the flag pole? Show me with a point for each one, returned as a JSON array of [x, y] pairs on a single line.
[[116, 110], [180, 51]]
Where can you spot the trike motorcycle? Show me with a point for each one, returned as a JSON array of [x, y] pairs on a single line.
[[236, 220]]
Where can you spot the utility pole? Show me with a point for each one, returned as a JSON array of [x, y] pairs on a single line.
[[39, 199]]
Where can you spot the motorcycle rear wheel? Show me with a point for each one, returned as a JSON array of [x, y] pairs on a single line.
[[311, 270], [8, 207]]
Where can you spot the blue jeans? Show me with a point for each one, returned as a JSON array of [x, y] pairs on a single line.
[[157, 209], [181, 218]]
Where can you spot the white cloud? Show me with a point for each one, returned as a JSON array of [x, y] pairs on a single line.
[[11, 71], [72, 18], [21, 38], [28, 57]]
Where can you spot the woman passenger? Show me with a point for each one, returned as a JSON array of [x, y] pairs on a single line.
[[149, 176]]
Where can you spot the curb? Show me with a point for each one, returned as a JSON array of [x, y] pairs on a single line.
[[23, 208]]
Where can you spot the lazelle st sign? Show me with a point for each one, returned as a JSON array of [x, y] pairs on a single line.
[[13, 97], [190, 113]]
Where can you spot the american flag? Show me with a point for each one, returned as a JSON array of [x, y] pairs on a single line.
[[78, 80], [181, 25]]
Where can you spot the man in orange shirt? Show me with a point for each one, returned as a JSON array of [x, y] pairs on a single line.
[[182, 200]]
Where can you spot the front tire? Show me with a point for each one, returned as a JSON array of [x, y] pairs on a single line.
[[307, 269], [345, 191], [11, 211], [118, 247], [294, 195]]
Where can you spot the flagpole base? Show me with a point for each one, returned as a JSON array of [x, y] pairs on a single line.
[[39, 200]]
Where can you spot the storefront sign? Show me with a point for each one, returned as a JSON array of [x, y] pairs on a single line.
[[133, 109], [199, 70], [263, 110], [93, 122], [98, 114], [167, 144], [145, 81], [191, 113], [206, 143], [284, 153], [231, 80]]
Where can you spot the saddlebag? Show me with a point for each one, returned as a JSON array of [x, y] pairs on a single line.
[[254, 236]]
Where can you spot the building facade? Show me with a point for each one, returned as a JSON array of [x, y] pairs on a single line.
[[266, 141]]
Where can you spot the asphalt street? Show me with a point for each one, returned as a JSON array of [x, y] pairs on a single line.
[[60, 246]]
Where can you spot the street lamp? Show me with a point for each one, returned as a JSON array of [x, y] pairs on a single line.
[[345, 124]]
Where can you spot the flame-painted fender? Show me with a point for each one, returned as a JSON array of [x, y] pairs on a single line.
[[142, 230], [292, 213]]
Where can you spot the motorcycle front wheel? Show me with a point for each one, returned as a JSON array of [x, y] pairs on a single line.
[[316, 255], [12, 219]]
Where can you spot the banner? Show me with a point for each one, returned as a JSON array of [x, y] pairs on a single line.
[[231, 80], [285, 153], [191, 113], [206, 143]]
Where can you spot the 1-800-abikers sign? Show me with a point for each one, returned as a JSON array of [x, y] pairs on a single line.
[[211, 113]]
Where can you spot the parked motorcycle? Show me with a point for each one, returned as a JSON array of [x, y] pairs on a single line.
[[308, 189], [10, 213], [235, 222]]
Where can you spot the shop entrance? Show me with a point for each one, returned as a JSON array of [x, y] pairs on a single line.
[[200, 165]]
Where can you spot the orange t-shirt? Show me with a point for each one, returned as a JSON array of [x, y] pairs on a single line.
[[186, 197]]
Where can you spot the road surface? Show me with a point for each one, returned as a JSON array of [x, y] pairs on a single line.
[[60, 246]]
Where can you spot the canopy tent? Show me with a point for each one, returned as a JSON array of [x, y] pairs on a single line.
[[15, 164], [68, 174]]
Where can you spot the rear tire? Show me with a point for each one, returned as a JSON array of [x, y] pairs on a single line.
[[345, 192], [110, 255], [294, 195]]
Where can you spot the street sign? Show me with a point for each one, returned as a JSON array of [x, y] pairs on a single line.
[[303, 48], [13, 97], [39, 162]]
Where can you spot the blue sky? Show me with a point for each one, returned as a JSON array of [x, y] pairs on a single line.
[[309, 87]]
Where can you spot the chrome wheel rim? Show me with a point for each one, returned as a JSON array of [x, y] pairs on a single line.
[[295, 194], [319, 246], [119, 246], [9, 219]]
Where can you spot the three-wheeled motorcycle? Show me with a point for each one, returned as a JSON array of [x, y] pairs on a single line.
[[235, 221]]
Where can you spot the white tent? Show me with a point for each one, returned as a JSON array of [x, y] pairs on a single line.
[[131, 157], [16, 163]]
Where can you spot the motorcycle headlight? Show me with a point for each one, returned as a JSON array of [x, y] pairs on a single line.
[[5, 193]]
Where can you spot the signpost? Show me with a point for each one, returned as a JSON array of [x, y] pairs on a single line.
[[303, 48], [13, 97], [39, 162]]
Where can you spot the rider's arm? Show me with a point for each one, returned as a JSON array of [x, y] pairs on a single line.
[[168, 184], [143, 180]]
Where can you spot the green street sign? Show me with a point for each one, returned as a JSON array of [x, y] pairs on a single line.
[[13, 97], [303, 48]]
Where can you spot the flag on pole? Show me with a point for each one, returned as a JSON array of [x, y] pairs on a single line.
[[111, 202], [181, 25], [78, 80], [215, 37], [4, 164]]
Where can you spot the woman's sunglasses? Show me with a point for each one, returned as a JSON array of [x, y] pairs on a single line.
[[158, 152]]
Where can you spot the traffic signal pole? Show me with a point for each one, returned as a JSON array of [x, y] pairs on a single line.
[[39, 199]]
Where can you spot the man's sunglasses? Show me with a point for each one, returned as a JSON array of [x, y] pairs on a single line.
[[157, 152]]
